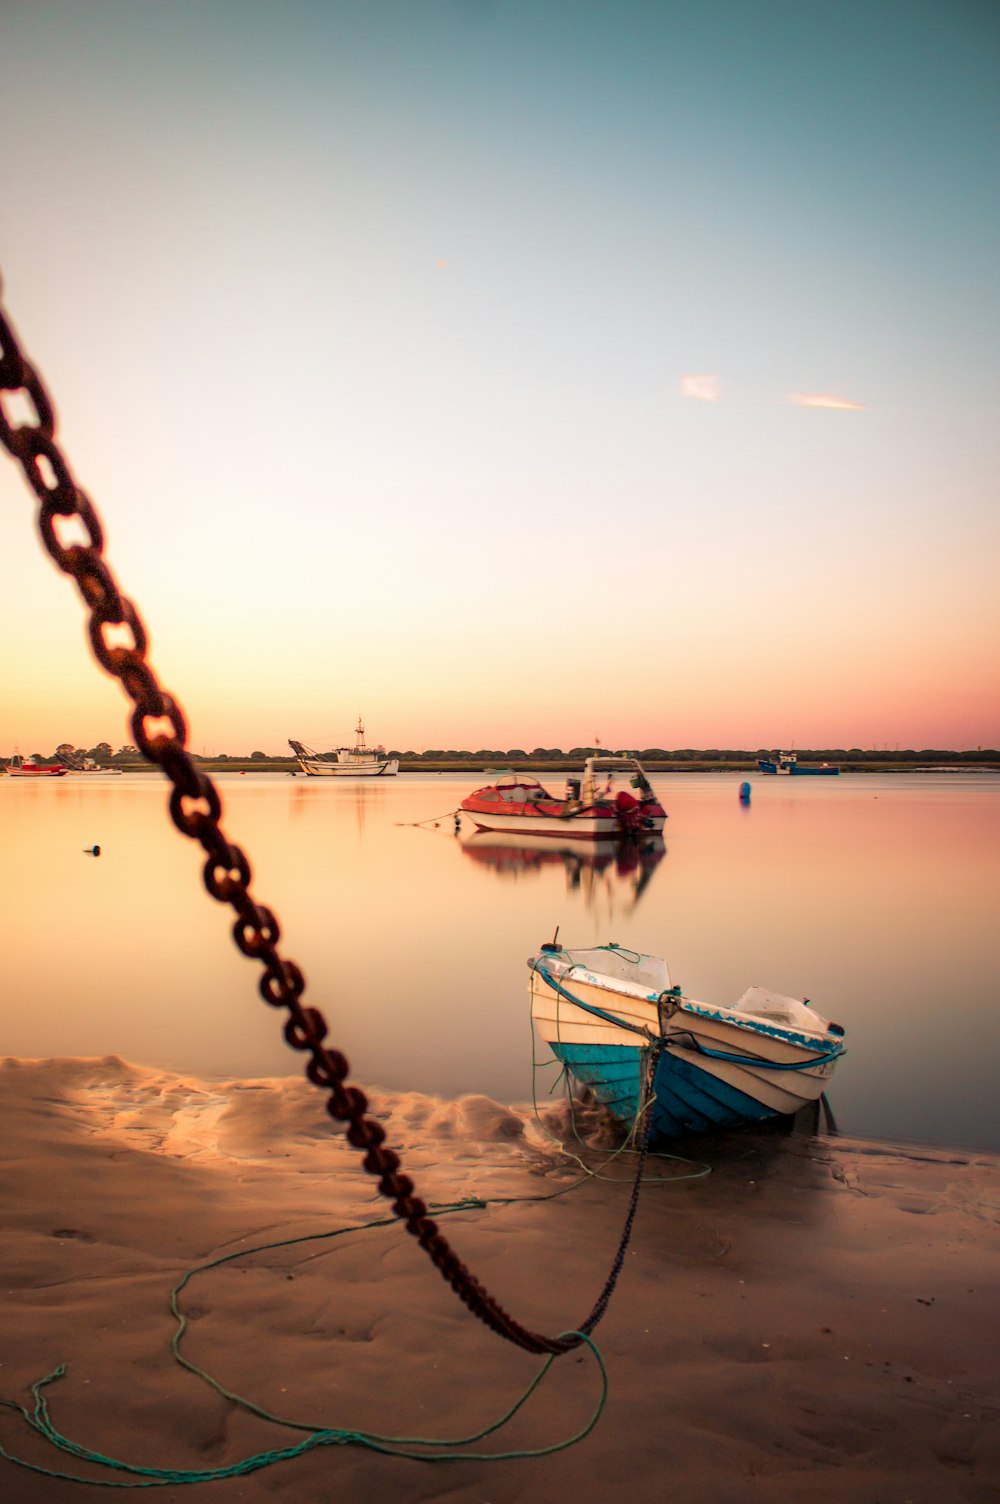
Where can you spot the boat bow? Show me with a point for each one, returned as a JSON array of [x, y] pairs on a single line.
[[600, 1011]]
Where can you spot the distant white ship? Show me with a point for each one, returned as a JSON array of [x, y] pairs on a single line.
[[359, 761], [90, 767]]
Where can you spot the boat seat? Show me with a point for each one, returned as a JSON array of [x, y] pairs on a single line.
[[774, 1007]]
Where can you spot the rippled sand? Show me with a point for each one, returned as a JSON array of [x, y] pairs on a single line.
[[815, 1319]]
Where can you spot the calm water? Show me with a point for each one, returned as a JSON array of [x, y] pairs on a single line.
[[875, 897]]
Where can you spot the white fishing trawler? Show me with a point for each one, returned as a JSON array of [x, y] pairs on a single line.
[[78, 764], [359, 761]]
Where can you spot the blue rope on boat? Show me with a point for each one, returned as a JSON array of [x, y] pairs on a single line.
[[610, 1018], [765, 1065], [693, 1044]]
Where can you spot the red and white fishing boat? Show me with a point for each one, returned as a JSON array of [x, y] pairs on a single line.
[[594, 805], [29, 767]]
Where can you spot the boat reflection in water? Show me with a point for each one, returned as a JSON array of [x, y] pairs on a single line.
[[609, 868]]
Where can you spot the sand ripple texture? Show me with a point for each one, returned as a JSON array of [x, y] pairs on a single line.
[[816, 1319]]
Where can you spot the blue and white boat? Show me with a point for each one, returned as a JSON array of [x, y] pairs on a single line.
[[614, 1020], [787, 762]]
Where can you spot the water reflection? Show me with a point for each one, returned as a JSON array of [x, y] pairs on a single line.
[[415, 947], [360, 796], [599, 871]]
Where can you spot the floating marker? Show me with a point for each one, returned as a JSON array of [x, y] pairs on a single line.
[[744, 793], [92, 851]]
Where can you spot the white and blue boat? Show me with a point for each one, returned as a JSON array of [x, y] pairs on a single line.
[[787, 762], [619, 1027]]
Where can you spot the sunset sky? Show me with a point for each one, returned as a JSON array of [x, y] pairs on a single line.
[[513, 372]]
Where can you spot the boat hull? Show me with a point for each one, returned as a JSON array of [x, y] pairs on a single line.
[[685, 1099], [715, 1068], [315, 767], [797, 770], [549, 820]]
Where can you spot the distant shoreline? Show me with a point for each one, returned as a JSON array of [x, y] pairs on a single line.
[[288, 765]]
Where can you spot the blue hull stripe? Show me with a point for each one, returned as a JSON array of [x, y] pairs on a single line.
[[688, 1100]]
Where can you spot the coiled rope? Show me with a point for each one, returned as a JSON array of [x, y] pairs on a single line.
[[413, 1448]]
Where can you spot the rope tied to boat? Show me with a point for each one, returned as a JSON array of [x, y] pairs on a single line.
[[119, 641], [602, 1013], [687, 1041], [683, 1038]]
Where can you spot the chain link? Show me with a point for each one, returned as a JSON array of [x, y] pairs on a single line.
[[160, 732]]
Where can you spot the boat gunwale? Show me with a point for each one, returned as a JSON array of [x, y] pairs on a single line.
[[719, 1013]]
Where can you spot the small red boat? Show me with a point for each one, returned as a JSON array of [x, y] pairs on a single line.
[[28, 767], [594, 804]]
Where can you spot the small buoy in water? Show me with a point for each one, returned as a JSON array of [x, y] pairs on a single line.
[[458, 823], [744, 793], [92, 851]]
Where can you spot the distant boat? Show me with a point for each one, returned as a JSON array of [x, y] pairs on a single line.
[[591, 807], [90, 767], [359, 761], [611, 1016], [787, 762], [30, 767]]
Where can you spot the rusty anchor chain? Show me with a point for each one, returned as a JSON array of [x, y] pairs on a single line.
[[119, 643]]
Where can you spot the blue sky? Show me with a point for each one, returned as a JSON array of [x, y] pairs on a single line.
[[368, 326]]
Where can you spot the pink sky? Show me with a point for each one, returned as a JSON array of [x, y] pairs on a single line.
[[513, 427]]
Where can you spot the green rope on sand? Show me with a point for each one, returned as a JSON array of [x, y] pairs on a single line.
[[391, 1446], [414, 1448]]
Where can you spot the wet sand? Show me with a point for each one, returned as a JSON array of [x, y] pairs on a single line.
[[816, 1319]]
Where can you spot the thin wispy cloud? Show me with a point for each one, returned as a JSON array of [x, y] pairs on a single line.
[[701, 388], [824, 399]]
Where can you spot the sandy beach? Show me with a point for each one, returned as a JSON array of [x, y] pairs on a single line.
[[815, 1319]]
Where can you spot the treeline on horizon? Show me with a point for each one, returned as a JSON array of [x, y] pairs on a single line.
[[105, 756], [698, 754]]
